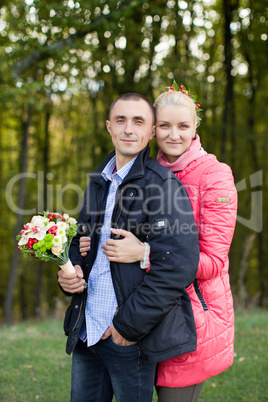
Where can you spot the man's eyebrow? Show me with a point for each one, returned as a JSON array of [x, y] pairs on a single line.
[[118, 116]]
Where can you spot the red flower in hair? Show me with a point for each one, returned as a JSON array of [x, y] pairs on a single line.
[[182, 89]]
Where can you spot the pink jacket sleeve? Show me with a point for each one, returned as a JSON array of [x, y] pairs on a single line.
[[217, 218]]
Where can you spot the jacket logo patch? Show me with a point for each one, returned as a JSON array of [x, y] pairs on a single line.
[[221, 199], [161, 223]]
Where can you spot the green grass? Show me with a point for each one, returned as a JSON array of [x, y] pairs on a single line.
[[246, 380], [34, 366], [33, 363]]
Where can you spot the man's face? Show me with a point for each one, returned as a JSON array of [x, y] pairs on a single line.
[[131, 127]]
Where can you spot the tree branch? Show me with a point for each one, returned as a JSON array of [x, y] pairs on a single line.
[[47, 51]]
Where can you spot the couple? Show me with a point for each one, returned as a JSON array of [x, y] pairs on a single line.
[[136, 311]]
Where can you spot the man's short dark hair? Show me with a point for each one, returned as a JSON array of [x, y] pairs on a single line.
[[136, 97]]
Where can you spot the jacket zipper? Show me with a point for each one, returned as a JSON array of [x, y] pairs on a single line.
[[119, 202], [79, 314], [199, 295], [117, 287]]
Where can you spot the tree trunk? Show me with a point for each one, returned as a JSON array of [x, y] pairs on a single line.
[[23, 297], [38, 290], [21, 202], [228, 113], [254, 84], [45, 152]]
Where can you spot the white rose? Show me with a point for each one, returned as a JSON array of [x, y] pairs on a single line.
[[72, 221], [57, 250]]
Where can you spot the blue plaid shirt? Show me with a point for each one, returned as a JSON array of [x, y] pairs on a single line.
[[101, 300]]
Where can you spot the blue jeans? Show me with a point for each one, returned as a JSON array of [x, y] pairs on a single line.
[[106, 368]]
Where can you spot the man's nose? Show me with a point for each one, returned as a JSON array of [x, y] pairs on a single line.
[[129, 127]]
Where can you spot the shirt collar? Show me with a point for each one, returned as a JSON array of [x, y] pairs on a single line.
[[110, 168]]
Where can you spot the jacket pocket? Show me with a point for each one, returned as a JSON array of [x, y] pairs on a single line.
[[174, 335]]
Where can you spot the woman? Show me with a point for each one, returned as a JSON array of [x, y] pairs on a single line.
[[213, 196]]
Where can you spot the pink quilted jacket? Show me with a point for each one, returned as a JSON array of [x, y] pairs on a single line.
[[211, 189]]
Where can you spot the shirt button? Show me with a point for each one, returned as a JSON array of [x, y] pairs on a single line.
[[76, 306], [167, 252]]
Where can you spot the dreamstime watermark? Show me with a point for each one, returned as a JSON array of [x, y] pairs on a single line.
[[152, 199]]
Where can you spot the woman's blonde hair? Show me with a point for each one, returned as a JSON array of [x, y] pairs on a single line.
[[172, 97]]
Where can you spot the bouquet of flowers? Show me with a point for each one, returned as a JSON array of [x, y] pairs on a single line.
[[48, 237]]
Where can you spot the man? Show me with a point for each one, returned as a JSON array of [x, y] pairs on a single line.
[[129, 319]]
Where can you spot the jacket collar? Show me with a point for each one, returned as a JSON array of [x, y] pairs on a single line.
[[135, 172]]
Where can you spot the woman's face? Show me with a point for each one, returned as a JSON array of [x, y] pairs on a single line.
[[175, 129]]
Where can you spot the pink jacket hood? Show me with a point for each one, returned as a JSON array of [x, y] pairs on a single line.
[[194, 151]]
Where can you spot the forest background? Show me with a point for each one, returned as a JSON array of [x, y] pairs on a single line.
[[62, 64]]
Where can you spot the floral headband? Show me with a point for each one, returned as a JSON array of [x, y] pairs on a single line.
[[182, 89]]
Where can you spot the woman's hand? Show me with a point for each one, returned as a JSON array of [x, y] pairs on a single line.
[[84, 245], [127, 250]]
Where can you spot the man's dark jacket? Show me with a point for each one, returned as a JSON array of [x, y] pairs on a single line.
[[153, 307]]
